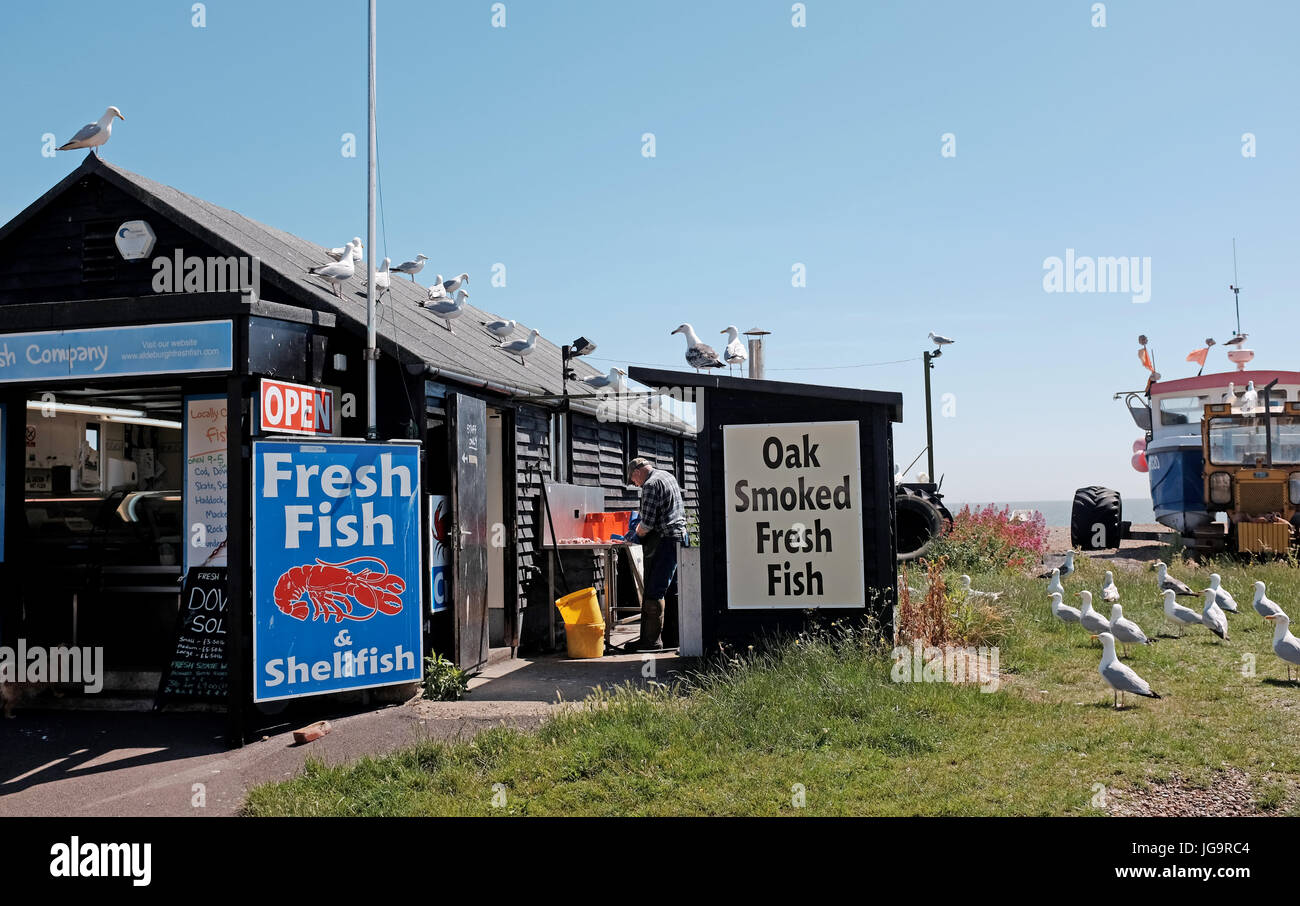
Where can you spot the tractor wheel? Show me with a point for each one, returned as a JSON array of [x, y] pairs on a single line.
[[919, 523], [924, 494], [1095, 519]]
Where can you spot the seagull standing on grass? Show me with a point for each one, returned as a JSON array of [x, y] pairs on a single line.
[[964, 581], [354, 247], [734, 353], [522, 348], [1054, 586], [1120, 677], [1285, 645], [1125, 631], [336, 274], [1109, 592], [1091, 620], [698, 354], [1166, 582], [411, 268], [940, 340], [92, 135], [1182, 616], [1063, 612], [1212, 617], [1263, 606], [1066, 567], [1227, 603]]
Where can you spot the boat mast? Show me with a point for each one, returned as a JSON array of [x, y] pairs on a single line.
[[1236, 290], [372, 350]]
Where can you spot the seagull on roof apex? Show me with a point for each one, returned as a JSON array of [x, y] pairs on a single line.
[[522, 348], [383, 276], [450, 286], [501, 329], [1249, 399], [354, 246], [699, 355], [612, 381], [92, 135], [447, 309], [336, 274], [412, 267], [735, 353], [940, 340]]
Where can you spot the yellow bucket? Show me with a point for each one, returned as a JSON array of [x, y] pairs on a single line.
[[581, 607], [585, 639]]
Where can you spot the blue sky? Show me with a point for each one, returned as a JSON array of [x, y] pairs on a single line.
[[774, 146]]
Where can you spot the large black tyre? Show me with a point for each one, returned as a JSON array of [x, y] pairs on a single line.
[[1095, 519], [919, 523], [934, 498]]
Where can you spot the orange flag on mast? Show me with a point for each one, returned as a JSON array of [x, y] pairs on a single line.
[[1145, 358], [1199, 356]]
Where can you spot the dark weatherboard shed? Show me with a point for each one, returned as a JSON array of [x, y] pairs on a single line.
[[98, 499], [796, 503]]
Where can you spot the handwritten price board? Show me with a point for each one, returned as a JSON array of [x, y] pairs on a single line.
[[198, 667]]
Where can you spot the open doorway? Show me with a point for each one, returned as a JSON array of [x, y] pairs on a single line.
[[496, 520]]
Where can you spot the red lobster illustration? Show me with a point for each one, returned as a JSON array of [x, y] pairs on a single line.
[[333, 590]]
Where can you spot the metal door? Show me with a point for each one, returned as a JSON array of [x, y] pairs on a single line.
[[467, 433]]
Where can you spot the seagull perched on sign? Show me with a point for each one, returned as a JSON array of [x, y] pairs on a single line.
[[734, 353], [448, 309], [92, 135], [336, 274], [698, 354], [500, 329], [940, 340], [522, 348], [412, 268], [354, 247]]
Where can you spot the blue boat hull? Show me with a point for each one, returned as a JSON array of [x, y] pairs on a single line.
[[1177, 489]]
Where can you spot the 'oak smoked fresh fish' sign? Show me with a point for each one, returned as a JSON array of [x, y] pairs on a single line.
[[337, 579]]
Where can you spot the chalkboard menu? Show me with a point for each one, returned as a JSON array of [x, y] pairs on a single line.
[[197, 670]]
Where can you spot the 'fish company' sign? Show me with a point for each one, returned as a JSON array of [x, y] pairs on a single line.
[[54, 355], [794, 515], [286, 408], [337, 576]]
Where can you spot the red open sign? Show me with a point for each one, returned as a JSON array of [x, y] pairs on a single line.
[[287, 408]]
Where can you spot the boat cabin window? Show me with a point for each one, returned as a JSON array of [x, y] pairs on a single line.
[[1182, 410], [1239, 442]]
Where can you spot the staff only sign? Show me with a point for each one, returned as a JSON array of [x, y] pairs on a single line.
[[336, 567], [794, 516]]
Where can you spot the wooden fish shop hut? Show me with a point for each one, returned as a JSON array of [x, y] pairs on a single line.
[[179, 485]]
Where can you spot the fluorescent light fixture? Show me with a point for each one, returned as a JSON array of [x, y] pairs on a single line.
[[122, 416], [78, 409]]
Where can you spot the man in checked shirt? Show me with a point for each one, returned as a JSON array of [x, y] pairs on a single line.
[[662, 527]]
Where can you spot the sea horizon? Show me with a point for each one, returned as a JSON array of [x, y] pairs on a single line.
[[1056, 513]]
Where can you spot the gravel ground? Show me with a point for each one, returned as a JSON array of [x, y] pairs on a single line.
[[1132, 555], [1230, 795]]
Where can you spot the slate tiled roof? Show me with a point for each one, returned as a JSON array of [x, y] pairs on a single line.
[[404, 329]]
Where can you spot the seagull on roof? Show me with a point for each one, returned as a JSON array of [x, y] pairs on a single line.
[[1230, 396], [1227, 603], [1182, 616], [500, 329], [383, 277], [1109, 591], [1125, 631], [698, 354], [1166, 582], [336, 274], [612, 381], [436, 292], [92, 135], [734, 353], [1063, 612], [1262, 604], [522, 348], [1285, 645], [1249, 399], [1212, 617], [448, 309], [354, 247], [450, 286], [1120, 677], [411, 268], [940, 340]]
